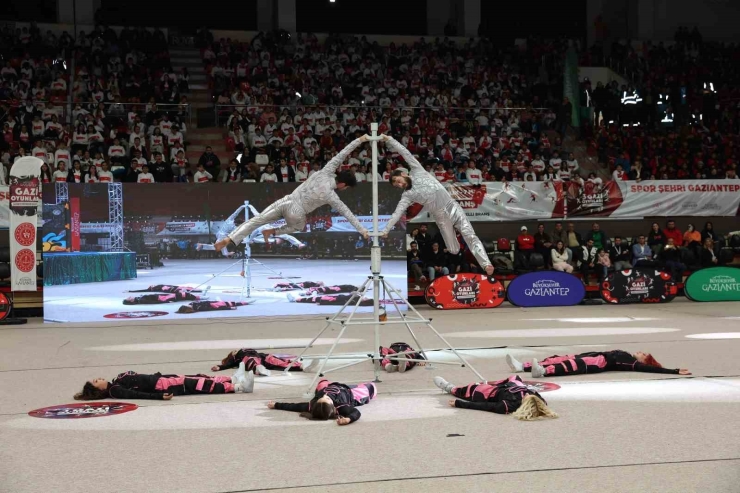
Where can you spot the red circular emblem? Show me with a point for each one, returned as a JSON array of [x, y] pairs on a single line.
[[127, 315], [25, 234], [86, 410], [25, 260]]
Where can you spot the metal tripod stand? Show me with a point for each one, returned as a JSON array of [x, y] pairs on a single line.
[[378, 283]]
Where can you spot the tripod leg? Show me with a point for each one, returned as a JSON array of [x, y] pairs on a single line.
[[429, 324], [339, 337], [328, 324], [408, 326]]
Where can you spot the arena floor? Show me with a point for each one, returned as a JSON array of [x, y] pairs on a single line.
[[617, 432], [92, 301]]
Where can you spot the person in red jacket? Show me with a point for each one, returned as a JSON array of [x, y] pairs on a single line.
[[525, 241], [671, 231], [525, 244]]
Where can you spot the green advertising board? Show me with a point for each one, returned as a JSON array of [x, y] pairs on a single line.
[[714, 284]]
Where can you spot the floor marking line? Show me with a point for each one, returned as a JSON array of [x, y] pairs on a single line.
[[684, 340], [522, 471]]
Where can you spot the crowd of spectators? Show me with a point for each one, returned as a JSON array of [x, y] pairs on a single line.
[[483, 111], [678, 119], [33, 91], [128, 121], [592, 254]]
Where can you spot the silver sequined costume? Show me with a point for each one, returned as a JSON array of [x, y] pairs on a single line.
[[318, 190], [255, 237], [447, 213]]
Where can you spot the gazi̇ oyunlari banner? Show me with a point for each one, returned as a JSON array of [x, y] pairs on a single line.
[[24, 198]]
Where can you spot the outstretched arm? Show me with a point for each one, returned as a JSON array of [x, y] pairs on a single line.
[[405, 154], [299, 407], [331, 166], [401, 208], [334, 200]]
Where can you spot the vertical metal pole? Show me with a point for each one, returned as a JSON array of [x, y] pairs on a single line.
[[375, 252], [247, 256]]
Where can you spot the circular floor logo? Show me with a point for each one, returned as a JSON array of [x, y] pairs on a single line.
[[86, 410], [540, 387], [129, 315], [25, 234]]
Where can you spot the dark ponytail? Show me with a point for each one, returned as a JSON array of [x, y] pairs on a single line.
[[91, 393]]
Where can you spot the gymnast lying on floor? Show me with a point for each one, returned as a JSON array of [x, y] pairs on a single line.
[[132, 385], [332, 400], [160, 299], [260, 363], [401, 350], [509, 396], [593, 362], [337, 299], [293, 286], [212, 306]]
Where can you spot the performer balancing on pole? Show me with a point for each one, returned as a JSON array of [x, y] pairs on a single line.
[[318, 190], [421, 187], [255, 237]]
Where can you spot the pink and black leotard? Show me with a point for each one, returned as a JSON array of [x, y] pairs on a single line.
[[346, 398], [132, 385], [501, 397], [595, 362], [252, 358], [159, 299]]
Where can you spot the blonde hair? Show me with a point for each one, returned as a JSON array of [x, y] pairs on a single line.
[[533, 408]]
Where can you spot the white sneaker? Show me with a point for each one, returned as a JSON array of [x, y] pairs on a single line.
[[291, 298], [401, 363], [443, 384], [248, 383], [390, 368], [515, 365], [538, 371], [312, 366], [235, 378], [261, 370]]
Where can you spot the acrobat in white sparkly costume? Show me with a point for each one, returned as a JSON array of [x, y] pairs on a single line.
[[255, 237], [421, 187], [318, 190]]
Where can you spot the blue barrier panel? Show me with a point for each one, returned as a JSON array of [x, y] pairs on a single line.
[[546, 288]]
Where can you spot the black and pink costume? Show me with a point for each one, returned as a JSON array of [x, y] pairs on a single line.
[[337, 299], [400, 347], [132, 385], [501, 397], [165, 288], [159, 299], [212, 306], [341, 288], [595, 362], [345, 398], [292, 286], [252, 358]]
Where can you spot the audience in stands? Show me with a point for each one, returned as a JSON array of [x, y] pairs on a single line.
[[620, 255], [561, 257], [302, 99], [642, 255]]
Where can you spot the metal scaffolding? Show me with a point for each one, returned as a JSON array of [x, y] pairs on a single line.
[[115, 215], [62, 192]]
